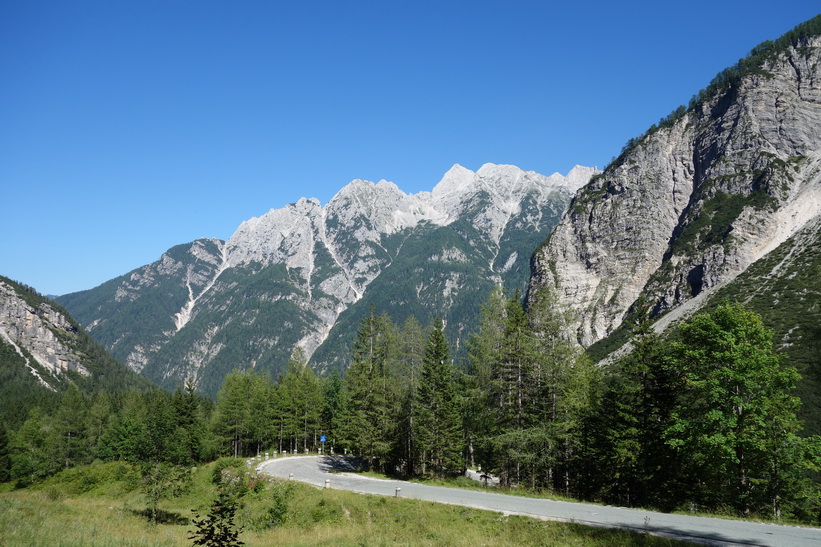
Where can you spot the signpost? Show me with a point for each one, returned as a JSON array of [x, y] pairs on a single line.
[[322, 440]]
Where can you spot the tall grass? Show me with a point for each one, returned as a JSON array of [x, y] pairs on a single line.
[[271, 513]]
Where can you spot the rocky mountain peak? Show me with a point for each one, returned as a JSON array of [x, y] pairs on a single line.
[[293, 276]]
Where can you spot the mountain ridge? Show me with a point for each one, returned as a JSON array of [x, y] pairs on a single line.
[[303, 266]]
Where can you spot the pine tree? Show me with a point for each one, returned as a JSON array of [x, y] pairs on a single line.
[[561, 381], [437, 424], [100, 416], [632, 462], [332, 407], [231, 415], [369, 424], [411, 350], [5, 456], [300, 398], [480, 404], [30, 461], [513, 397], [68, 439]]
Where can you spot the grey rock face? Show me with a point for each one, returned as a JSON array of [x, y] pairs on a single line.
[[693, 205], [36, 332]]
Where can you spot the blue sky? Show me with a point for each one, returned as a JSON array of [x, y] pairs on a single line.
[[128, 127]]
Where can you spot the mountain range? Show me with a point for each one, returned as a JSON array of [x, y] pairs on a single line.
[[719, 200], [302, 276]]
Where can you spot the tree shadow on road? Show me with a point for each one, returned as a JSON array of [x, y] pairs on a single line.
[[341, 464]]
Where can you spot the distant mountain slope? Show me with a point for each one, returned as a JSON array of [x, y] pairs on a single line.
[[303, 275], [43, 350]]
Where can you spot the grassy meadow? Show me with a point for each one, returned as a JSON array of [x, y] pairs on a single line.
[[101, 505]]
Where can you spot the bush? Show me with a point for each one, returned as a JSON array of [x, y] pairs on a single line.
[[235, 464]]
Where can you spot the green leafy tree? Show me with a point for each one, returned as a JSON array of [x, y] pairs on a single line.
[[737, 413], [437, 424], [162, 480]]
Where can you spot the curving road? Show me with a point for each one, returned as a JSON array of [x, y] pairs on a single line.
[[711, 531]]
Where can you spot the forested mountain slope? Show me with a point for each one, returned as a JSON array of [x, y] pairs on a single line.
[[304, 275]]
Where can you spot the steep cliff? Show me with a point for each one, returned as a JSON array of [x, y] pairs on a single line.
[[698, 199]]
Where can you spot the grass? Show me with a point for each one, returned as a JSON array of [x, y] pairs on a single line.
[[109, 513]]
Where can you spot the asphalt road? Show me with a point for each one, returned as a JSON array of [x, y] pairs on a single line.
[[317, 470]]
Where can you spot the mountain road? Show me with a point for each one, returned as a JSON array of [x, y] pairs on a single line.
[[338, 471]]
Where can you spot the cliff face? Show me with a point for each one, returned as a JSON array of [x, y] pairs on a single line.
[[691, 205], [37, 334]]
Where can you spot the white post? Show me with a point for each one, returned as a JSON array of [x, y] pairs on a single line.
[[327, 483], [398, 492]]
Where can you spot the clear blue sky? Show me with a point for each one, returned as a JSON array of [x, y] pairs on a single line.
[[127, 127]]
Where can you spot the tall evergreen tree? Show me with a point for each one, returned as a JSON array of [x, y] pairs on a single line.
[[369, 425], [631, 462], [411, 350], [332, 407], [29, 457], [5, 456], [561, 381], [513, 397], [437, 424], [231, 415], [68, 439], [479, 405], [300, 399]]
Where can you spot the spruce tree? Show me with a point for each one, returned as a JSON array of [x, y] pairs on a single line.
[[480, 404], [370, 426], [437, 424]]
